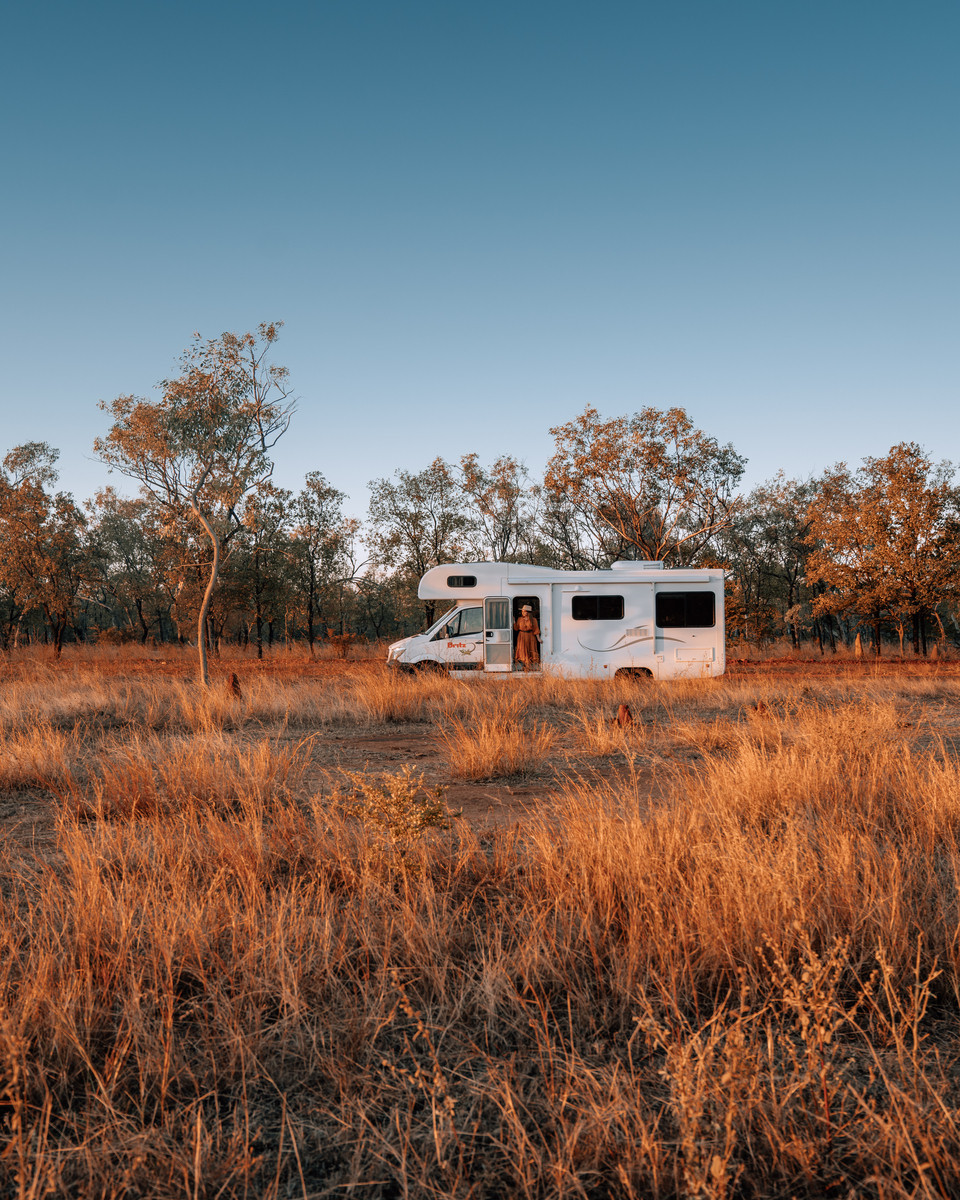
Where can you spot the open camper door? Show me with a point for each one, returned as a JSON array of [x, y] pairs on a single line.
[[497, 634]]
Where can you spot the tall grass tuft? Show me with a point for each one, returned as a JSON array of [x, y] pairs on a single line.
[[502, 741]]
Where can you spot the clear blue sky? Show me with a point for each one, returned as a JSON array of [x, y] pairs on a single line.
[[476, 219]]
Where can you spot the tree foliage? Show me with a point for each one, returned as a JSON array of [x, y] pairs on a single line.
[[322, 545], [211, 539], [503, 507], [206, 443], [653, 481], [418, 520], [766, 549], [886, 538], [45, 563]]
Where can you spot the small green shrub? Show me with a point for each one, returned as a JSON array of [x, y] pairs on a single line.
[[397, 804]]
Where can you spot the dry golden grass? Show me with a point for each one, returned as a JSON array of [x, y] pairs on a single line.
[[36, 755], [595, 732], [501, 741], [742, 982], [149, 776]]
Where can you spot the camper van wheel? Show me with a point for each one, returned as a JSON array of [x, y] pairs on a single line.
[[429, 666], [636, 674]]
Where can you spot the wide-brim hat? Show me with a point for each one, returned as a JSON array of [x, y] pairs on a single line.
[[527, 608]]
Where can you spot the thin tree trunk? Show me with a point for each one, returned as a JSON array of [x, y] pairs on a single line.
[[145, 628], [207, 596], [258, 596], [312, 611], [58, 632]]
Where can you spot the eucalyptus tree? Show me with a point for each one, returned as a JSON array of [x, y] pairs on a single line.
[[129, 554], [263, 565], [417, 521], [766, 548], [321, 545], [502, 506], [200, 448], [651, 483], [887, 540], [44, 565]]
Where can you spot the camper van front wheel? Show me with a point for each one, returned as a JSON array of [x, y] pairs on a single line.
[[637, 674], [430, 666]]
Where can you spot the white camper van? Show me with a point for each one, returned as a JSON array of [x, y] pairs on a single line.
[[638, 618]]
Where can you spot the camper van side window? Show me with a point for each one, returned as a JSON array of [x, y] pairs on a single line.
[[686, 610], [597, 608], [462, 581]]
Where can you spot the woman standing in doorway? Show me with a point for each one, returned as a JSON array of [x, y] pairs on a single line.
[[527, 652]]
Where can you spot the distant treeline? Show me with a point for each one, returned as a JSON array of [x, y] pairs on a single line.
[[874, 550]]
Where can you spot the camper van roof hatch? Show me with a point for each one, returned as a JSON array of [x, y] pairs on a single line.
[[640, 564]]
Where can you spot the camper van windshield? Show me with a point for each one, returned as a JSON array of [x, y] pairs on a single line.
[[443, 620], [460, 622]]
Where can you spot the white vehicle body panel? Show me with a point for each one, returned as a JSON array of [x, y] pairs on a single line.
[[635, 617]]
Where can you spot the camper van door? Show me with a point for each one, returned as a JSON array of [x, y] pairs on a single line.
[[458, 643], [497, 634]]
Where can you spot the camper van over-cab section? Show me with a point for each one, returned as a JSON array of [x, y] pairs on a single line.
[[638, 618]]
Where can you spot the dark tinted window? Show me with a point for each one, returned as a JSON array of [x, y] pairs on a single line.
[[686, 610], [597, 608], [469, 581]]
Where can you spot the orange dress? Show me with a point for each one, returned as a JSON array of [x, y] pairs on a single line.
[[528, 640]]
